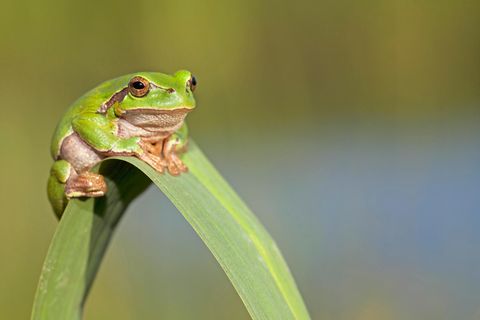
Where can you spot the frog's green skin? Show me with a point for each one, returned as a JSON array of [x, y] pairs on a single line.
[[110, 120]]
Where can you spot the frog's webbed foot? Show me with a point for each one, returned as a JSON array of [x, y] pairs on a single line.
[[164, 154], [85, 184], [151, 155], [174, 165]]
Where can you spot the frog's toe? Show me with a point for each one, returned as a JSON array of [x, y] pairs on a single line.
[[155, 162], [86, 184], [173, 169], [175, 166]]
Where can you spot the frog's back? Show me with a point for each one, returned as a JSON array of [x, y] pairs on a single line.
[[88, 103]]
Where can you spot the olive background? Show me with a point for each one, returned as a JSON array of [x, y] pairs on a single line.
[[351, 128]]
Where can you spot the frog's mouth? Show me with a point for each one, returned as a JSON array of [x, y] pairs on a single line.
[[156, 120]]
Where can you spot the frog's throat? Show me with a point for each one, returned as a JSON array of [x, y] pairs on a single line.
[[155, 120]]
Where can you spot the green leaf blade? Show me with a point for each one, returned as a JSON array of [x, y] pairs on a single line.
[[241, 245]]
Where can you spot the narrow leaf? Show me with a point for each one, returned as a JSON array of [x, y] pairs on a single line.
[[241, 245]]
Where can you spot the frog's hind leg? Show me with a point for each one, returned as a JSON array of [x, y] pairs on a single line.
[[59, 174], [85, 184], [81, 182], [65, 183]]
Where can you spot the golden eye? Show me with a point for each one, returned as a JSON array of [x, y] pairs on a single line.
[[138, 86], [192, 83]]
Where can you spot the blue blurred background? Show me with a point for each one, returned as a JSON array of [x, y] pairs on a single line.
[[351, 128]]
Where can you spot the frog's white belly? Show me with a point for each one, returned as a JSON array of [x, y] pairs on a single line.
[[150, 124], [125, 130]]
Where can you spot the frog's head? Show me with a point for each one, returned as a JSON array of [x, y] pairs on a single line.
[[154, 101]]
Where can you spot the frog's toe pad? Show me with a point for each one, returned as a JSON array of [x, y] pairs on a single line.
[[86, 184]]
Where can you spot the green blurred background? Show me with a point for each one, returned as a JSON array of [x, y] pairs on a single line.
[[350, 127]]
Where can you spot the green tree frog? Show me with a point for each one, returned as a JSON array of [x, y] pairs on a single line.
[[140, 115]]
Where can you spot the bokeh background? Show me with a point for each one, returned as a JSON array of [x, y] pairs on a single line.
[[351, 128]]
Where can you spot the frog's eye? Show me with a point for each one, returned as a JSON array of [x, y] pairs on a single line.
[[192, 83], [138, 86]]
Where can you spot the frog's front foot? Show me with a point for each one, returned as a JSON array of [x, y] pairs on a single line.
[[151, 155], [163, 154], [174, 165], [85, 184]]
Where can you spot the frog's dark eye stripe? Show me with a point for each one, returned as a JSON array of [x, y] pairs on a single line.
[[138, 86], [117, 97]]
